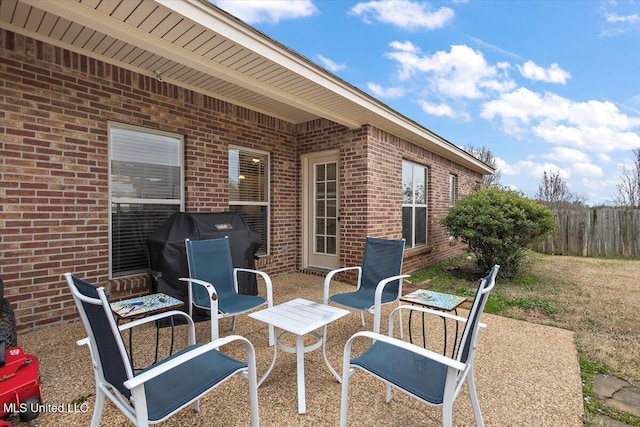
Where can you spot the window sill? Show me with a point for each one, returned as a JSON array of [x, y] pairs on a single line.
[[420, 250]]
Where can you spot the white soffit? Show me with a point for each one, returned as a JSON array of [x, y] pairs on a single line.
[[195, 45]]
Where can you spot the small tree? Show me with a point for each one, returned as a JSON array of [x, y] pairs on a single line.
[[486, 156], [629, 189], [554, 192], [498, 225]]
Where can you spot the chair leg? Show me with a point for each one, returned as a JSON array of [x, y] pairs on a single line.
[[344, 400], [400, 320], [449, 396], [140, 421], [214, 329], [253, 396], [362, 318], [233, 323], [447, 413], [98, 407], [477, 414]]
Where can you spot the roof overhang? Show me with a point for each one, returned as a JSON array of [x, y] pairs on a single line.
[[195, 45]]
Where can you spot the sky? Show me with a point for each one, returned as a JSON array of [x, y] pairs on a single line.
[[546, 86]]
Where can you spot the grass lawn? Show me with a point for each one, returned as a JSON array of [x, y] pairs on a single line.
[[597, 298]]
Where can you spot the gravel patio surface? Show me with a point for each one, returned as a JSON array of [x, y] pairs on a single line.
[[526, 375]]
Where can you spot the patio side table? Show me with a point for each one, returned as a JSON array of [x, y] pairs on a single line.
[[437, 301], [300, 317], [142, 306]]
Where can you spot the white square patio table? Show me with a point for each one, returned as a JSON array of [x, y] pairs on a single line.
[[300, 317]]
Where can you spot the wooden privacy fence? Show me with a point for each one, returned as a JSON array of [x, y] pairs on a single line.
[[611, 232]]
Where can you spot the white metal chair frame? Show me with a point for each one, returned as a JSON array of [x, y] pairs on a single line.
[[213, 296], [376, 308], [135, 408], [457, 372], [215, 334]]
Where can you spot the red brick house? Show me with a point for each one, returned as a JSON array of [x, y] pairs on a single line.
[[116, 114]]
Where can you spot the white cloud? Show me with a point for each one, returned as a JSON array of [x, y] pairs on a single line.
[[532, 169], [553, 74], [330, 65], [409, 15], [614, 18], [460, 73], [526, 175], [494, 48], [596, 186], [437, 110], [273, 11], [586, 169], [442, 110], [597, 126], [623, 20], [566, 155], [390, 92], [604, 158], [405, 46]]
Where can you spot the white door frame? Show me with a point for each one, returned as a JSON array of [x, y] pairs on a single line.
[[309, 258]]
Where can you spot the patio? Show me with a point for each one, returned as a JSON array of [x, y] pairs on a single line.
[[525, 373]]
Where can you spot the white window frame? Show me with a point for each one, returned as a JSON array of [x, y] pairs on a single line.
[[413, 205], [453, 189], [266, 203], [128, 200]]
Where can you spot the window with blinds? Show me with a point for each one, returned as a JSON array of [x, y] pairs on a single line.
[[414, 204], [249, 190], [146, 187]]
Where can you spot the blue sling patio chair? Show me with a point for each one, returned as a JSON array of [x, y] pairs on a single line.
[[164, 388], [213, 283], [429, 377], [379, 280]]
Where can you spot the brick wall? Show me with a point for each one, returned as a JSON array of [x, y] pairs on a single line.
[[55, 107], [393, 150], [370, 191], [54, 110]]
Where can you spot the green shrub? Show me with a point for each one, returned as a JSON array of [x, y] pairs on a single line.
[[498, 225]]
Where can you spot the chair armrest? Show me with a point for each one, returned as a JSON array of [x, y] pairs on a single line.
[[420, 351], [155, 317], [152, 318], [384, 282], [208, 286], [153, 372], [329, 277], [377, 298], [267, 281], [442, 314], [213, 295], [213, 305]]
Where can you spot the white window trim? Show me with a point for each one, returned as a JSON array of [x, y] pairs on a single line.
[[453, 189], [267, 203], [413, 206], [112, 125]]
